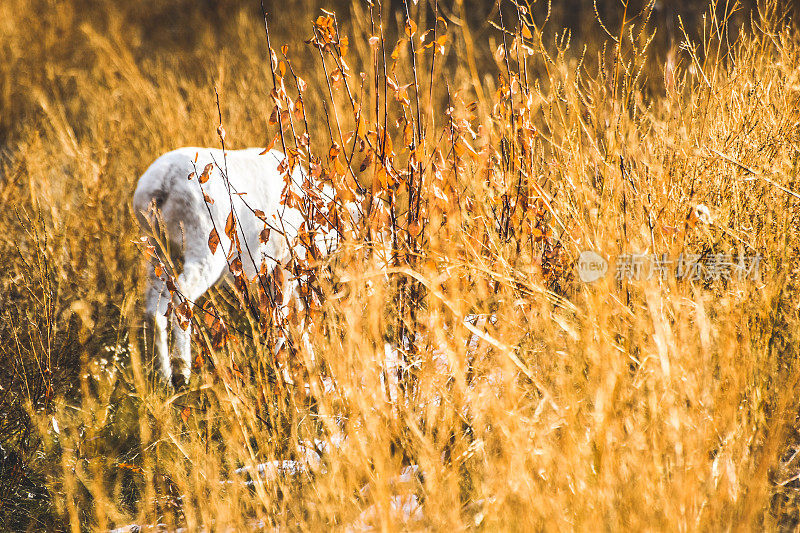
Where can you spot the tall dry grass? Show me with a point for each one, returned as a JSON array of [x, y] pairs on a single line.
[[526, 398]]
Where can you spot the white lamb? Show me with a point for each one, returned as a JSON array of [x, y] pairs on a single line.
[[167, 199]]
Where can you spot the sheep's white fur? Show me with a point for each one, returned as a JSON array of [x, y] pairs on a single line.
[[165, 198]]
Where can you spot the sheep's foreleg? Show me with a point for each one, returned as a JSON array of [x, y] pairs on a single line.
[[197, 277], [156, 302]]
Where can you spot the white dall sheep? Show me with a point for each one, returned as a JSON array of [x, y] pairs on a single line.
[[167, 199]]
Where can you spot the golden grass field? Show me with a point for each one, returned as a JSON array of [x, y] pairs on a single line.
[[527, 399]]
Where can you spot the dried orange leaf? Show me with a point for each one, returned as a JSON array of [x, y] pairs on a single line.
[[206, 173], [367, 161], [213, 241], [526, 32], [271, 143], [236, 267], [411, 27], [396, 51], [440, 42], [230, 225], [184, 314]]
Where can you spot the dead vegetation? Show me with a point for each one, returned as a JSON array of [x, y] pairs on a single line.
[[463, 376]]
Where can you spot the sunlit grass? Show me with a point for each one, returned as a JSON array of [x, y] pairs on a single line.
[[526, 399]]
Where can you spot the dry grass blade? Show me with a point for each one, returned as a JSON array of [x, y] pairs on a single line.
[[530, 295]]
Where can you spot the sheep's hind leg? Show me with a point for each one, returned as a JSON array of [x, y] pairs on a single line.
[[289, 289]]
